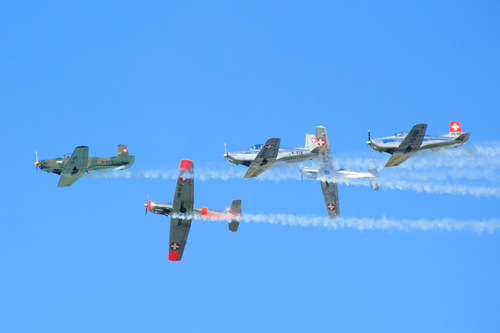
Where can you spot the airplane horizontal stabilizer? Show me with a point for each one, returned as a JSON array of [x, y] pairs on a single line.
[[463, 137]]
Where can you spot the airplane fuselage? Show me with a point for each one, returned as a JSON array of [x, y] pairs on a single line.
[[57, 165], [290, 155], [165, 208], [434, 142]]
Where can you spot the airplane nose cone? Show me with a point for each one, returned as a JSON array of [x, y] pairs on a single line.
[[37, 163]]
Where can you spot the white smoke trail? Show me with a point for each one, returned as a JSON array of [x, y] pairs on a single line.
[[447, 224], [414, 181], [441, 188]]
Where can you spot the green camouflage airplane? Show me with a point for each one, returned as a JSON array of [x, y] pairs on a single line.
[[72, 168]]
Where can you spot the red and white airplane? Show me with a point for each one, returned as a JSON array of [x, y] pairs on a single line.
[[183, 210], [404, 145]]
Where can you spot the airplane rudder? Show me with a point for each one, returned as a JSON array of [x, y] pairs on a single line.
[[455, 127], [122, 152], [236, 210], [311, 141], [235, 207]]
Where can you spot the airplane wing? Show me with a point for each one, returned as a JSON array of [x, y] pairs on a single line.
[[331, 198], [325, 159], [395, 161], [68, 180], [182, 210], [265, 158], [414, 138], [76, 166]]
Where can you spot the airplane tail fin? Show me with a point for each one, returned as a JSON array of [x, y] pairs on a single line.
[[122, 152], [372, 169], [235, 209], [455, 128], [311, 141]]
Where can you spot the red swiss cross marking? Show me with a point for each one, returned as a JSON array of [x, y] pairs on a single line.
[[330, 206], [313, 139], [125, 150], [455, 126], [183, 176], [269, 146], [175, 246], [321, 142]]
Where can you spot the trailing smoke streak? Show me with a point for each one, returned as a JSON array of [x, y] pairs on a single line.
[[444, 174], [384, 223], [419, 182], [453, 189], [363, 223]]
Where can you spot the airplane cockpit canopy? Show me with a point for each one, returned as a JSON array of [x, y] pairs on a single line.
[[400, 134], [66, 156], [257, 147]]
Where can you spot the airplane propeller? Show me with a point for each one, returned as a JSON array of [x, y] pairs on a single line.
[[146, 205], [369, 139], [37, 163], [225, 151]]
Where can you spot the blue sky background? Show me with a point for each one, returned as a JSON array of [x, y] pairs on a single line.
[[177, 80]]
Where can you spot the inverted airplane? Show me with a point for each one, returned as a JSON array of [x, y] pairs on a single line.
[[182, 211], [261, 157], [329, 176], [404, 145], [72, 168]]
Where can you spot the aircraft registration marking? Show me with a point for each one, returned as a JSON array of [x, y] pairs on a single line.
[[330, 206], [175, 246]]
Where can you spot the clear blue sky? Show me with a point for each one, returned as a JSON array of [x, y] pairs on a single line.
[[177, 80]]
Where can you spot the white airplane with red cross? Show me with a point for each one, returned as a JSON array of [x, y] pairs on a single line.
[[404, 145], [183, 210], [261, 157]]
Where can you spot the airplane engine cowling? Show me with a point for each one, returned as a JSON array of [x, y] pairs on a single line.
[[158, 208]]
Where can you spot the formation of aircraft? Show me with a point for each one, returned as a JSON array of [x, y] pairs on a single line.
[[258, 159], [182, 211], [71, 168], [261, 157], [404, 145]]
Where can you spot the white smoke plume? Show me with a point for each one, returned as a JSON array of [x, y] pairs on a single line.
[[384, 223], [395, 180]]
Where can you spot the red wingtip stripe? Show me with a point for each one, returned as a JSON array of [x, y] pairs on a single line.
[[185, 165], [173, 256]]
